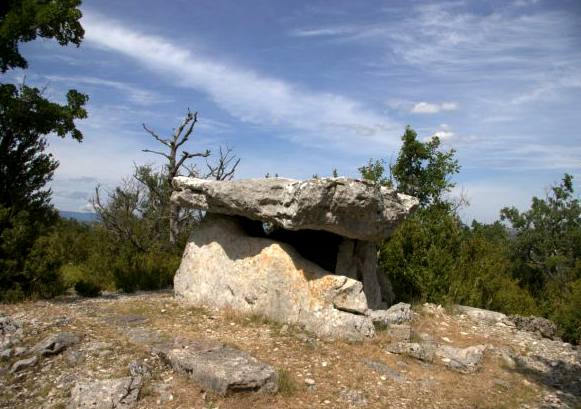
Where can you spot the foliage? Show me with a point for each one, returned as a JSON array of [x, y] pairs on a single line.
[[547, 248], [374, 171], [87, 289], [28, 263], [25, 20], [422, 170], [25, 119], [138, 211], [546, 254]]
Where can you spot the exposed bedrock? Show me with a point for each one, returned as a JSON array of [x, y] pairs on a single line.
[[224, 267], [353, 208]]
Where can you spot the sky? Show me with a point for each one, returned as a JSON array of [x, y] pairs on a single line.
[[298, 88]]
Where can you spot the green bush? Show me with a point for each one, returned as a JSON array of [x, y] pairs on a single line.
[[87, 289], [135, 271]]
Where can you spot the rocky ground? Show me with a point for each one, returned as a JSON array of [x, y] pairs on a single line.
[[143, 351]]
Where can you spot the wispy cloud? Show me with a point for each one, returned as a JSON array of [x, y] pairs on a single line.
[[134, 93], [318, 32], [429, 108], [248, 95]]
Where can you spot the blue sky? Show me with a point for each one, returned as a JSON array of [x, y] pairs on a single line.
[[298, 88]]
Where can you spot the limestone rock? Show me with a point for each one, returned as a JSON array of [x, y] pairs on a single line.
[[9, 327], [353, 208], [463, 360], [478, 314], [224, 267], [543, 326], [23, 364], [421, 351], [399, 333], [220, 368], [55, 343], [120, 393], [396, 314], [383, 370]]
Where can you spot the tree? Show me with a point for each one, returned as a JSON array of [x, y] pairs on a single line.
[[547, 247], [423, 171], [24, 20], [546, 254], [26, 119], [222, 170]]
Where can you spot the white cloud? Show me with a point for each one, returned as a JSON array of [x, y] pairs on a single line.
[[134, 94], [333, 31], [247, 95], [429, 108]]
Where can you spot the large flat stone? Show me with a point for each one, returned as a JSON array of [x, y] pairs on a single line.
[[223, 267], [219, 367], [119, 393], [358, 209]]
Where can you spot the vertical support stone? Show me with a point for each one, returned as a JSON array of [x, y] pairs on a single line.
[[385, 288], [357, 259], [367, 255], [346, 261]]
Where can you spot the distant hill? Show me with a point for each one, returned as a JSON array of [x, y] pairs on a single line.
[[80, 216]]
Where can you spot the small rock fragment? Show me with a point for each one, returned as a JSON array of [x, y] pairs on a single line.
[[424, 351], [396, 314], [138, 368], [55, 343], [353, 398], [23, 364]]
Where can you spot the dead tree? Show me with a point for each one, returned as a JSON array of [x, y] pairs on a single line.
[[176, 160]]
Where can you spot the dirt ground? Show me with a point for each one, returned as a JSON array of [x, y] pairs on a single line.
[[341, 377]]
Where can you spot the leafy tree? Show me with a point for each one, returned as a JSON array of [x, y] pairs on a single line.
[[26, 118], [547, 248], [422, 170], [25, 20], [546, 254]]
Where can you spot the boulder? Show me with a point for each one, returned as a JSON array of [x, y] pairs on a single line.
[[545, 327], [219, 367], [224, 267], [300, 252], [353, 208], [478, 314]]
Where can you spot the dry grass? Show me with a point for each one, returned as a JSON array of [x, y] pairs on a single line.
[[334, 366]]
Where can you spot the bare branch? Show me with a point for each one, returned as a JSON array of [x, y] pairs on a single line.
[[152, 133], [192, 120], [157, 153], [221, 170], [187, 155]]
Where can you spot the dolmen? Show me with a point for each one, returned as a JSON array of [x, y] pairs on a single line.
[[297, 252]]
